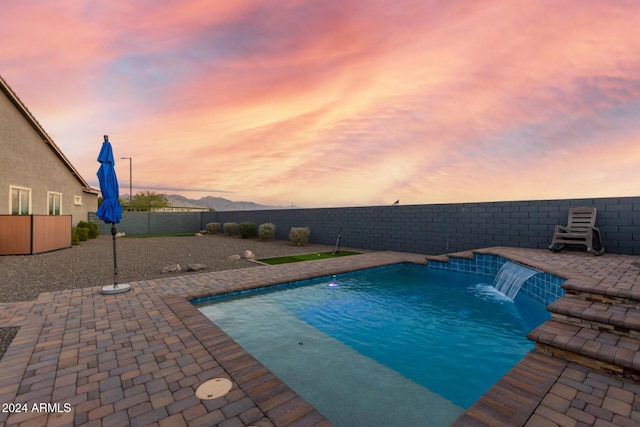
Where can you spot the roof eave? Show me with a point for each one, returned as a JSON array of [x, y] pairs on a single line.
[[40, 130]]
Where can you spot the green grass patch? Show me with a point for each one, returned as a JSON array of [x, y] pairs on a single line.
[[306, 257], [136, 236]]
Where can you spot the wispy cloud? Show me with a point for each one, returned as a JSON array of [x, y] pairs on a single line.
[[340, 102]]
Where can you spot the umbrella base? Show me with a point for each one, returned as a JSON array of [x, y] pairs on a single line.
[[119, 289]]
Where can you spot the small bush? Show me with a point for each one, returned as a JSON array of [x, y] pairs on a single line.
[[267, 231], [93, 231], [299, 236], [213, 227], [247, 230], [83, 233], [91, 226], [230, 228], [75, 238]]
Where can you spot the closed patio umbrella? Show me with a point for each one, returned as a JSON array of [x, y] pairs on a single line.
[[110, 210]]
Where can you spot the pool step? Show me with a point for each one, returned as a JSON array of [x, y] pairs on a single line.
[[593, 289], [591, 347], [594, 324], [621, 319]]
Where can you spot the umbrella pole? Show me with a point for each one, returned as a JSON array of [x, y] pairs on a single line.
[[115, 258], [115, 289]]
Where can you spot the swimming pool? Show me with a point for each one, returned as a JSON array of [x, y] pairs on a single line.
[[394, 345]]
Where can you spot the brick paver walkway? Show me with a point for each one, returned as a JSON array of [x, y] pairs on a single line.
[[82, 358]]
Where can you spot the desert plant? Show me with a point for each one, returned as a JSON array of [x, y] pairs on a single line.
[[213, 227], [299, 236], [91, 226], [230, 228], [267, 231], [247, 230]]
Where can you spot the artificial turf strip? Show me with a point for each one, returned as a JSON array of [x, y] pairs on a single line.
[[306, 257]]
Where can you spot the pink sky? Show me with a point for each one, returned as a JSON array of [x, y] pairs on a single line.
[[337, 102]]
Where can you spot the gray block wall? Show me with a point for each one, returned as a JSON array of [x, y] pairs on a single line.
[[426, 229], [153, 223]]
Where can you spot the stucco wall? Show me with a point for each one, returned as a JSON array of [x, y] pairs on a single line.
[[27, 161]]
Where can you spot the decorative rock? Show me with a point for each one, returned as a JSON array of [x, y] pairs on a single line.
[[233, 257], [196, 267], [198, 234], [248, 255], [172, 268], [203, 231], [121, 234]]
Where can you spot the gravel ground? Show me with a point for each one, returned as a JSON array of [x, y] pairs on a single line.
[[24, 277], [6, 336]]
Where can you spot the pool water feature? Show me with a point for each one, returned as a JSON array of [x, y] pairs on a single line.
[[511, 277], [399, 345]]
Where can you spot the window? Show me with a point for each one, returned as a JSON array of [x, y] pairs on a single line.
[[54, 202], [77, 200], [20, 203]]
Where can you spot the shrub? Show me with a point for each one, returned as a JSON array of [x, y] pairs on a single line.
[[213, 227], [93, 230], [299, 236], [83, 233], [247, 230], [91, 226], [75, 238], [230, 228], [267, 231]]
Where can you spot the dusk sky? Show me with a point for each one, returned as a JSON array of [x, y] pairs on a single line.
[[338, 102]]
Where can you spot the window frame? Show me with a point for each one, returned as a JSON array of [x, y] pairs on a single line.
[[20, 190], [50, 195]]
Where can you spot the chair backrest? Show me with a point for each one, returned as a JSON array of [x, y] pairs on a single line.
[[581, 219]]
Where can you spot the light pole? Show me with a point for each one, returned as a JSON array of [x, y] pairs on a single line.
[[130, 183]]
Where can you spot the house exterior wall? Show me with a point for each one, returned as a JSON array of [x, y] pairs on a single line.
[[28, 162]]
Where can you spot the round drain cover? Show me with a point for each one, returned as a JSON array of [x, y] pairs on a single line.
[[214, 388]]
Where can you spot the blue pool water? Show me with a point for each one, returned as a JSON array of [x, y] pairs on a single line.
[[402, 339]]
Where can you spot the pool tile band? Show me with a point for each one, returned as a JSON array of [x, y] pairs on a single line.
[[542, 287]]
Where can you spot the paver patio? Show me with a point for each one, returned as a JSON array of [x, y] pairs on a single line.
[[138, 358]]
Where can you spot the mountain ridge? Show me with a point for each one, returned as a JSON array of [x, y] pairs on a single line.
[[221, 204]]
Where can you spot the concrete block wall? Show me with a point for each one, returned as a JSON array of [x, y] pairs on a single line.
[[426, 229], [153, 223], [444, 228]]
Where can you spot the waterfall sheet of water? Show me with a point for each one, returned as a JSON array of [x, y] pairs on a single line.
[[511, 277]]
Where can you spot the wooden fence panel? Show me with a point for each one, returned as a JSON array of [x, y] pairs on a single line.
[[15, 234], [32, 234], [51, 232]]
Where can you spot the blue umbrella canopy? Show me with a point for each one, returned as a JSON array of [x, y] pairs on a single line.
[[110, 210]]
